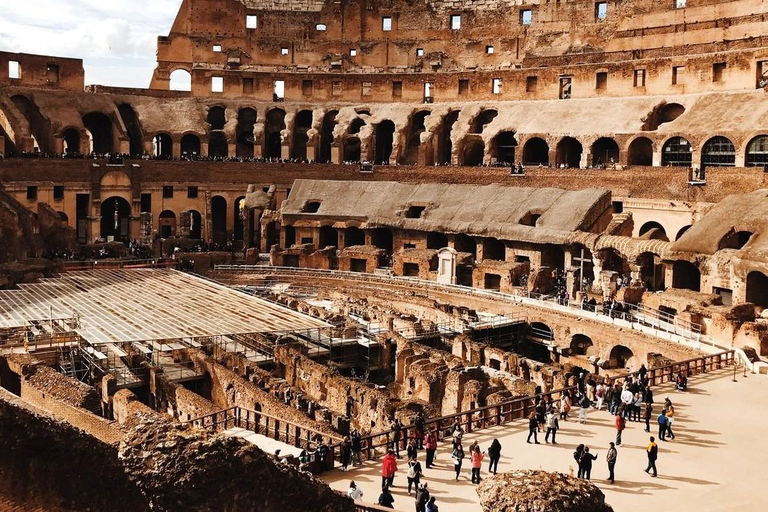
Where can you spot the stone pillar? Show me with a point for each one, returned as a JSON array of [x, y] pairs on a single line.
[[656, 159], [336, 153], [176, 149], [608, 284], [232, 149], [572, 280], [204, 148], [740, 158]]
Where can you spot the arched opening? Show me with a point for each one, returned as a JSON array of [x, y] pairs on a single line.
[[290, 236], [162, 146], [237, 215], [272, 133], [217, 117], [195, 225], [640, 152], [181, 80], [329, 237], [115, 218], [676, 152], [474, 151], [465, 243], [190, 146], [541, 332], [568, 152], [246, 120], [682, 232], [653, 231], [354, 236], [504, 145], [436, 240], [301, 125], [651, 271], [71, 139], [219, 219], [217, 145], [663, 113], [384, 137], [99, 129], [536, 152], [757, 289], [757, 151], [615, 261], [382, 238], [686, 276], [273, 235], [38, 126], [326, 136], [482, 120], [620, 357], [735, 240], [553, 257], [494, 249], [718, 152], [605, 152], [133, 127], [416, 127], [445, 145], [581, 345], [352, 149], [167, 224]]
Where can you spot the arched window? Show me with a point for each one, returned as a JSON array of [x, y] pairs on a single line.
[[676, 152], [757, 151], [181, 80], [718, 152]]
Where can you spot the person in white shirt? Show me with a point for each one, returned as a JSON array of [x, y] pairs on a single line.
[[354, 491]]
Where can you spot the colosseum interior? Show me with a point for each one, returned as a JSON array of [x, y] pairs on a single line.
[[323, 216]]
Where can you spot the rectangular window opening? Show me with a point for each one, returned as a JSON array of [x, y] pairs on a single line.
[[419, 52], [217, 84], [565, 87], [251, 21], [306, 87], [336, 88], [278, 90], [397, 89], [352, 52], [718, 69], [365, 88], [455, 21], [386, 23], [58, 192], [463, 87], [52, 74], [217, 48], [191, 192], [601, 10], [678, 73], [247, 85], [679, 4], [32, 193], [526, 17], [283, 51], [167, 191], [639, 80], [14, 70], [531, 84], [489, 50], [497, 83], [146, 203], [601, 81], [428, 91]]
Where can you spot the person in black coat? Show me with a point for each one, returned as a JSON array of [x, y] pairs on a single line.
[[585, 463], [533, 427], [494, 453]]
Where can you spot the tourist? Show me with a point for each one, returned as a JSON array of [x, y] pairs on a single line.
[[552, 427], [386, 499], [477, 461], [458, 457], [620, 426], [411, 451], [396, 426], [457, 434], [413, 474], [354, 491], [647, 416], [585, 463], [670, 416], [345, 451], [419, 426], [648, 395], [533, 427], [584, 405], [642, 372], [627, 399], [577, 457], [565, 405], [357, 448], [637, 406], [653, 452], [388, 469], [610, 457], [600, 395], [422, 497], [430, 442], [494, 453], [662, 420], [615, 399], [681, 382], [431, 506]]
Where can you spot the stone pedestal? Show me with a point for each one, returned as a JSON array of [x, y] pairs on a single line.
[[446, 266]]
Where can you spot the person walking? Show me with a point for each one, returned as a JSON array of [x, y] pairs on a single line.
[[670, 416], [647, 416], [411, 451], [396, 427], [552, 426], [422, 497], [457, 435], [577, 457], [599, 395], [584, 405], [458, 457], [430, 442], [431, 505], [662, 420], [494, 453], [621, 424], [610, 458], [565, 405], [357, 448], [388, 469], [653, 452], [477, 462], [354, 491], [413, 474], [533, 427], [385, 498], [345, 451], [637, 406], [585, 463], [419, 426]]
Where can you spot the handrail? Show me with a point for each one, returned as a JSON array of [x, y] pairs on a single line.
[[72, 266]]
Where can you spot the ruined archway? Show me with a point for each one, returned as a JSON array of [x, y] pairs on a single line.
[[735, 239], [273, 139], [444, 143], [217, 117], [662, 113], [541, 333], [686, 276], [162, 146], [354, 236], [536, 152], [383, 138], [71, 138], [581, 345], [482, 120], [436, 240], [329, 237], [494, 249], [620, 357], [195, 225], [290, 236], [38, 126], [190, 146], [416, 127], [757, 151], [568, 152], [757, 289], [682, 231], [653, 231], [474, 151], [218, 146], [99, 128], [605, 152], [246, 120], [181, 80], [133, 127], [326, 137], [651, 271], [504, 145], [237, 215], [301, 125], [115, 218], [219, 219], [640, 152]]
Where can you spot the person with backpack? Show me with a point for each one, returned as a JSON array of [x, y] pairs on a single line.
[[457, 456], [494, 453], [552, 426], [413, 474], [621, 424], [422, 497], [533, 428]]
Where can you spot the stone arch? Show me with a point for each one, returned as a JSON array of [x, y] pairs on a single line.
[[619, 357], [329, 237], [504, 146], [353, 236], [219, 219], [273, 138], [180, 80], [474, 151], [581, 345], [615, 261], [651, 271], [99, 129], [115, 218], [218, 146], [757, 151], [71, 138], [568, 152], [133, 127], [415, 128], [326, 136], [384, 138], [536, 152], [166, 224], [238, 230], [662, 113], [718, 151], [757, 289], [436, 240], [482, 120], [735, 239], [190, 146], [686, 276], [605, 151], [162, 146], [640, 152], [246, 120], [542, 332], [682, 231], [444, 143], [652, 230], [216, 117], [677, 152], [302, 123], [38, 126]]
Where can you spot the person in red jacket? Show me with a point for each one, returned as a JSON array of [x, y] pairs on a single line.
[[620, 426], [430, 443], [388, 470], [477, 462]]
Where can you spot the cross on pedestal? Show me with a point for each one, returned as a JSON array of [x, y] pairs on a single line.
[[582, 260]]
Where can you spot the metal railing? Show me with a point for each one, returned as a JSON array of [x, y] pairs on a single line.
[[73, 266]]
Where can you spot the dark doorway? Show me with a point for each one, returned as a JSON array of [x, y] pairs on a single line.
[[115, 218], [385, 133], [219, 219]]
